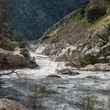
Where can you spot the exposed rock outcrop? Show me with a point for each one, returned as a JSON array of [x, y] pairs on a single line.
[[13, 60]]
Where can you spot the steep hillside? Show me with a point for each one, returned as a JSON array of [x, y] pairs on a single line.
[[81, 38], [33, 17]]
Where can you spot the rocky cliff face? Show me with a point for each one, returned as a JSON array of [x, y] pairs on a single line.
[[81, 38]]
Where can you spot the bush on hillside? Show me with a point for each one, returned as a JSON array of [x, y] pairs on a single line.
[[8, 45], [88, 59], [94, 12]]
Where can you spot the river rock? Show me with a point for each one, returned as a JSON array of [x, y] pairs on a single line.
[[53, 76], [102, 67], [32, 64], [6, 104], [68, 72], [97, 67], [10, 59], [88, 68]]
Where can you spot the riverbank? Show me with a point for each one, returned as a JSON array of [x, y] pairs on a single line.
[[49, 67]]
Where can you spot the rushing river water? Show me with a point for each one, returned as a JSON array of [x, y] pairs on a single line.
[[87, 91]]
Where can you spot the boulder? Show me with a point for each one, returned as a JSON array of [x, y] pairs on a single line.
[[97, 67], [53, 76], [6, 104], [17, 60], [88, 68], [102, 67], [9, 60], [68, 72], [32, 63]]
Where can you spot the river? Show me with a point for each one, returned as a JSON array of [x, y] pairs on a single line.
[[87, 91]]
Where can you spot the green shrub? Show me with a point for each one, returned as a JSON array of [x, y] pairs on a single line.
[[12, 45], [88, 59], [79, 15], [22, 44], [16, 36], [94, 12], [9, 45]]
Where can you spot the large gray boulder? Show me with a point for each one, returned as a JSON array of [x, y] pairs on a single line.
[[9, 60]]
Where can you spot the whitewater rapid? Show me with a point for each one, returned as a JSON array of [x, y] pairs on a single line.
[[47, 67]]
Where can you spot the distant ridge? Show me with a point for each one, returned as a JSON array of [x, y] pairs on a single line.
[[33, 17]]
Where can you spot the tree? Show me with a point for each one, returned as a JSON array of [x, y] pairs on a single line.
[[4, 4]]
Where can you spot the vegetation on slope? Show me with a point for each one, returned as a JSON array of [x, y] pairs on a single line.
[[82, 37]]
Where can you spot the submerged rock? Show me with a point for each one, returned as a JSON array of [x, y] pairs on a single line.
[[68, 72], [6, 104], [53, 76]]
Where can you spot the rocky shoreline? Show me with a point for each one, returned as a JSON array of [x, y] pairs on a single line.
[[15, 60]]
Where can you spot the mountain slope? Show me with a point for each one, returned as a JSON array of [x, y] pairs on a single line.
[[33, 17], [83, 37]]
